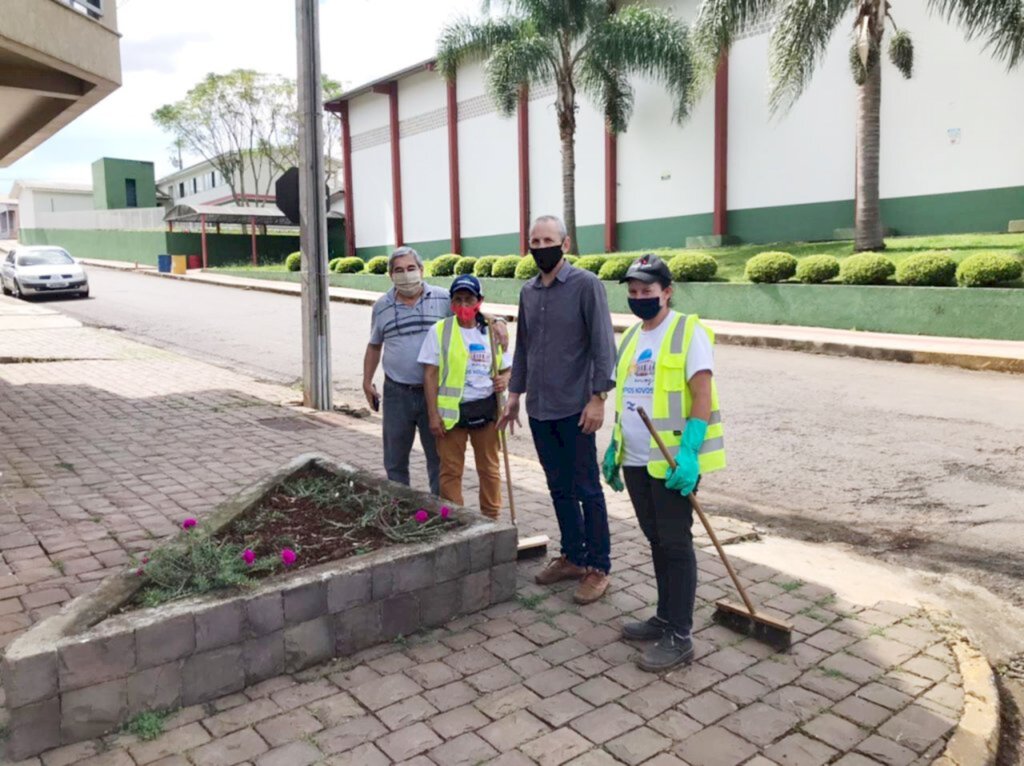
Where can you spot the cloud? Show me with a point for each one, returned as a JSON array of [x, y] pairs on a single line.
[[157, 54]]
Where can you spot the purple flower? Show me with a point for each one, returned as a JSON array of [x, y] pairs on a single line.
[[421, 516], [187, 524], [445, 511], [248, 557], [288, 556], [138, 572], [145, 560]]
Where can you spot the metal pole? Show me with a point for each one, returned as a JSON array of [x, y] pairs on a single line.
[[316, 341]]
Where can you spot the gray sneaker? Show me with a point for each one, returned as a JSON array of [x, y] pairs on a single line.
[[648, 630], [670, 651]]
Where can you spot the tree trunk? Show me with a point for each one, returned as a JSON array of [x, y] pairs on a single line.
[[566, 108], [868, 219]]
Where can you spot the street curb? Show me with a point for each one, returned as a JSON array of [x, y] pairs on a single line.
[[975, 742], [978, 362]]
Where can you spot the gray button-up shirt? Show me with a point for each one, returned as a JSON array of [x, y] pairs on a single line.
[[565, 345], [401, 329]]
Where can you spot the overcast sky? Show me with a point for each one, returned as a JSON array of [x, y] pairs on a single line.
[[168, 47]]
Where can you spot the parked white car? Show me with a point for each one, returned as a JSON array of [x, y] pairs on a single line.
[[42, 270]]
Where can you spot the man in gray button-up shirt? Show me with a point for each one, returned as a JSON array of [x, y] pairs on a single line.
[[564, 362]]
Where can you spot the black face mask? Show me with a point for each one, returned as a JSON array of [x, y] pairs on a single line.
[[547, 257], [645, 308]]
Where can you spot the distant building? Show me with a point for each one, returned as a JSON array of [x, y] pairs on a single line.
[[37, 199], [121, 184], [8, 218]]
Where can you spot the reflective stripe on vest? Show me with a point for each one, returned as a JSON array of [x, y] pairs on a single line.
[[453, 362], [672, 399]]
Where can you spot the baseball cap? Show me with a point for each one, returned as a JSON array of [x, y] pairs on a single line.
[[466, 282], [648, 268]]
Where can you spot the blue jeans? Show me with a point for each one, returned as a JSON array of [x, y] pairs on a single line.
[[404, 412], [569, 458]]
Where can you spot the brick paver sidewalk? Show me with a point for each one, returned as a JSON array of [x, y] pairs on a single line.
[[103, 454]]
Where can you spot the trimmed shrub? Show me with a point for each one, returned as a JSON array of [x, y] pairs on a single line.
[[377, 265], [333, 264], [989, 269], [465, 265], [866, 269], [527, 268], [591, 263], [815, 269], [483, 266], [772, 266], [443, 265], [293, 262], [927, 270], [505, 267], [351, 265], [693, 267], [614, 268]]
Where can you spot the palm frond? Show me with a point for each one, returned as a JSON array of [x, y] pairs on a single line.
[[798, 42], [638, 40], [999, 22], [514, 63], [901, 53], [465, 40], [611, 89], [717, 24]]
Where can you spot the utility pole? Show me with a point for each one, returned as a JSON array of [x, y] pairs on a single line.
[[316, 336]]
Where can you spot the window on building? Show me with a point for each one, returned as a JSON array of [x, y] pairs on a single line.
[[131, 198], [213, 179], [195, 185], [181, 189]]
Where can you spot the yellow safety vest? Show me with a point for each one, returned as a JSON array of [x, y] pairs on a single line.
[[672, 398], [452, 366]]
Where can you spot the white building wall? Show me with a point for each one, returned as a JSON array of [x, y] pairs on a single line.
[[424, 152], [35, 203]]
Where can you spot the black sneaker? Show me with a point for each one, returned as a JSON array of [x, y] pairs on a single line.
[[648, 630], [670, 651]]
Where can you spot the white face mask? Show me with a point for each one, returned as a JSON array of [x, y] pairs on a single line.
[[407, 282]]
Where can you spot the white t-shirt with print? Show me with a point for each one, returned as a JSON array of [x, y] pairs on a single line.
[[639, 387], [478, 372]]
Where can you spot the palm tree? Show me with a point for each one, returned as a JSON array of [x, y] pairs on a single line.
[[588, 45], [801, 33]]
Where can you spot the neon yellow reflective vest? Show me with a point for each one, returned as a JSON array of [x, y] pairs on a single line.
[[451, 372], [672, 399]]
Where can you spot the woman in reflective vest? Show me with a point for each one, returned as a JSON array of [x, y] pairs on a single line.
[[666, 366], [461, 394]]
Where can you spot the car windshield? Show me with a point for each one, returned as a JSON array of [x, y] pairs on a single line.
[[45, 258]]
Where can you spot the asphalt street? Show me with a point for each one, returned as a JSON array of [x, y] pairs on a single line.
[[917, 464]]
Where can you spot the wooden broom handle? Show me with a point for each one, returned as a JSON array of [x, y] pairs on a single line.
[[700, 512], [501, 434]]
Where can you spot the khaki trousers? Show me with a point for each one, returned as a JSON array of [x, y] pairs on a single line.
[[486, 449]]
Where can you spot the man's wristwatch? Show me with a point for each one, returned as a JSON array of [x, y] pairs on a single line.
[[602, 395]]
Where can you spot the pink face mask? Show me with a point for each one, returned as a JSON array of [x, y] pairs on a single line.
[[466, 313]]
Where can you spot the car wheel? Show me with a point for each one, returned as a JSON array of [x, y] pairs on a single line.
[[6, 291], [83, 294], [16, 291]]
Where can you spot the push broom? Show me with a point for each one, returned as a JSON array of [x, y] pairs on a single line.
[[743, 618], [528, 547]]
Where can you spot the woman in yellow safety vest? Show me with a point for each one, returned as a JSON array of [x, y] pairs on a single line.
[[665, 366], [461, 391]]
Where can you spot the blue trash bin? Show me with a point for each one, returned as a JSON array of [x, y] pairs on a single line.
[[163, 264]]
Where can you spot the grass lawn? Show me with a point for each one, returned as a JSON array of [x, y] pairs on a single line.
[[731, 260]]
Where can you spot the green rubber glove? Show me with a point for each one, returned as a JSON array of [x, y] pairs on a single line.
[[610, 468], [684, 477]]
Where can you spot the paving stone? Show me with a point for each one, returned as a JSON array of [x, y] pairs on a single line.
[[760, 723], [695, 679], [853, 668], [451, 695], [906, 682], [862, 712], [830, 640], [110, 758], [408, 742], [493, 679], [364, 755], [509, 646], [606, 722], [773, 672], [212, 674], [886, 751], [916, 727], [729, 661], [350, 734], [235, 748], [71, 754], [169, 743], [798, 750], [708, 707], [835, 687], [292, 754], [513, 730], [350, 679], [588, 666], [358, 627], [715, 746], [653, 699], [741, 689], [675, 725], [836, 732], [553, 681], [293, 725], [559, 709], [465, 750], [31, 679], [305, 602], [598, 691], [881, 651], [542, 633], [385, 691], [667, 759], [406, 712], [471, 660], [220, 625], [304, 693], [458, 721], [556, 747], [264, 614], [433, 674], [638, 745], [631, 676], [568, 648], [263, 657], [87, 664], [511, 758], [531, 665], [309, 643], [93, 711], [883, 695], [241, 717], [928, 667]]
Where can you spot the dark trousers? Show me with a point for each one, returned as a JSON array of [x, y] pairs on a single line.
[[405, 412], [666, 518], [569, 458]]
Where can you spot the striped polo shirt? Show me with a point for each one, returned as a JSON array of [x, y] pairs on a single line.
[[401, 329]]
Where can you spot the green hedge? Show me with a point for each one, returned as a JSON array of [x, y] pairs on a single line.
[[772, 266], [816, 269], [377, 265], [927, 270], [465, 265], [484, 265], [443, 265], [506, 266], [591, 263], [527, 268], [989, 269], [866, 269], [693, 267], [351, 265], [293, 262]]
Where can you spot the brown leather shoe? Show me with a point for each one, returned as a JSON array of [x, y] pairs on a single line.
[[593, 586], [559, 569]]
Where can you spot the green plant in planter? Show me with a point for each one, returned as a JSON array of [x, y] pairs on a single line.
[[866, 269], [988, 269], [591, 263], [527, 268], [693, 267], [483, 266], [772, 266], [614, 268], [443, 265], [350, 265], [377, 265], [927, 270], [465, 265], [332, 264], [293, 262], [815, 269], [505, 267]]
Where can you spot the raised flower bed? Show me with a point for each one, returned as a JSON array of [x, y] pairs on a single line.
[[297, 590]]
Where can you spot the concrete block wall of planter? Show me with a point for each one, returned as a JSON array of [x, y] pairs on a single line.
[[85, 671]]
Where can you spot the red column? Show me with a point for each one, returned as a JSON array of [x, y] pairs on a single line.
[[611, 192], [396, 162], [346, 159], [252, 227], [453, 167], [523, 114], [202, 218], [720, 225]]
